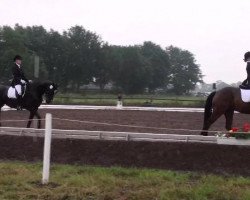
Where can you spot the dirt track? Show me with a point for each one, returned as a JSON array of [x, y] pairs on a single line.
[[178, 156], [175, 120]]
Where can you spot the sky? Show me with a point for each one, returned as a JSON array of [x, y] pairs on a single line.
[[217, 32]]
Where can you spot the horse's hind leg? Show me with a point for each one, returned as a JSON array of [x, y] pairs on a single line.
[[39, 120], [32, 114], [229, 119]]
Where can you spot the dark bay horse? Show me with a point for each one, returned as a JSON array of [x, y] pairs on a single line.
[[32, 99], [223, 102]]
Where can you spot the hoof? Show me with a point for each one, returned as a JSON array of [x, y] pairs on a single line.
[[204, 133]]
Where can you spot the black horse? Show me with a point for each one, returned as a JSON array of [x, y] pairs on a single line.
[[223, 102], [32, 99]]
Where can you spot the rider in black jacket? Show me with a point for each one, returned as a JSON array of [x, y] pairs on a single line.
[[247, 60], [19, 79]]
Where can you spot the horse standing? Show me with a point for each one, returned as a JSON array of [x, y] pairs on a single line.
[[223, 102], [32, 99]]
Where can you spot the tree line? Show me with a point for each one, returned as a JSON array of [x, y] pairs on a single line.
[[78, 56]]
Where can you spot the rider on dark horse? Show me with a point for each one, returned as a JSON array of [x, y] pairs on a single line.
[[19, 80], [226, 101], [36, 92], [247, 60]]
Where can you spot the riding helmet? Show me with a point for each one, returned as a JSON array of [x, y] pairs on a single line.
[[17, 57], [247, 56]]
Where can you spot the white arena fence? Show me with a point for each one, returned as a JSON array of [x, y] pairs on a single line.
[[112, 135], [49, 133], [107, 135], [129, 108]]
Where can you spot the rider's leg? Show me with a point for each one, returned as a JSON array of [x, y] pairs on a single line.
[[19, 96]]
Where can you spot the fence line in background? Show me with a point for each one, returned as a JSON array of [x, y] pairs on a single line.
[[133, 126], [131, 98], [109, 124]]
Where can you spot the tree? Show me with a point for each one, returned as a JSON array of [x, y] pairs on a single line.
[[84, 46], [157, 63], [36, 42], [76, 56], [185, 73], [103, 67], [56, 57], [129, 73], [12, 43]]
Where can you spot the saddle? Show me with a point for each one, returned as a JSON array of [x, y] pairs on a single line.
[[245, 93], [12, 93]]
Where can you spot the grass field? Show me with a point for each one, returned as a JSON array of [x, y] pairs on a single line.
[[22, 181], [131, 100]]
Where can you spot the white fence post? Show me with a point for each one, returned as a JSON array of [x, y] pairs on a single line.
[[47, 145]]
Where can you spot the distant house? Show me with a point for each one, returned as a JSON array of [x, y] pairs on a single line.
[[205, 89]]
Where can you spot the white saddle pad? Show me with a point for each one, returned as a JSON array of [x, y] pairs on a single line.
[[11, 93], [245, 95]]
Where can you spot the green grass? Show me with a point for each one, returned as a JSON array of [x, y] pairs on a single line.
[[22, 181], [131, 100]]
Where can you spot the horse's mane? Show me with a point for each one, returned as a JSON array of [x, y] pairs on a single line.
[[39, 86], [37, 83]]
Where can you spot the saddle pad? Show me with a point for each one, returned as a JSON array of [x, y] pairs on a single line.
[[245, 95], [11, 93]]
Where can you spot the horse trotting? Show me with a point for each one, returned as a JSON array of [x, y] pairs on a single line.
[[32, 99]]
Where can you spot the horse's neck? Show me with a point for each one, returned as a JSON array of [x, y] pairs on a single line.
[[38, 89]]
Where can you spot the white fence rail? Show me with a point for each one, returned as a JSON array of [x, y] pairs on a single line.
[[108, 135], [84, 107]]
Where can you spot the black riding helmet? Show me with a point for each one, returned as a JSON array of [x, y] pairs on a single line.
[[17, 57], [247, 56]]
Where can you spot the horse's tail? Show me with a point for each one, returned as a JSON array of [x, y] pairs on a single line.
[[208, 107]]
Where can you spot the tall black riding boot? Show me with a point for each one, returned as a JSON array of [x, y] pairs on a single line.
[[19, 102]]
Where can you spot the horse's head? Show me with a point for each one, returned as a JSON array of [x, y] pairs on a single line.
[[50, 89]]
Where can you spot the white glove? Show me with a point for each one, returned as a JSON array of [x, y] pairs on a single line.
[[23, 81]]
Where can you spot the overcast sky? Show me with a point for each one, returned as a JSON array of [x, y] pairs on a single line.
[[217, 32]]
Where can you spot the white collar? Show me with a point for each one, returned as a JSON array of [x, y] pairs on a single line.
[[18, 65]]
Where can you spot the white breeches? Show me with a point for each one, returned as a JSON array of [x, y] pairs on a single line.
[[19, 89]]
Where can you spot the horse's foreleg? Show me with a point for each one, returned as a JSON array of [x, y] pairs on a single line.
[[32, 114], [206, 125], [1, 105], [229, 119], [39, 120], [215, 115]]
